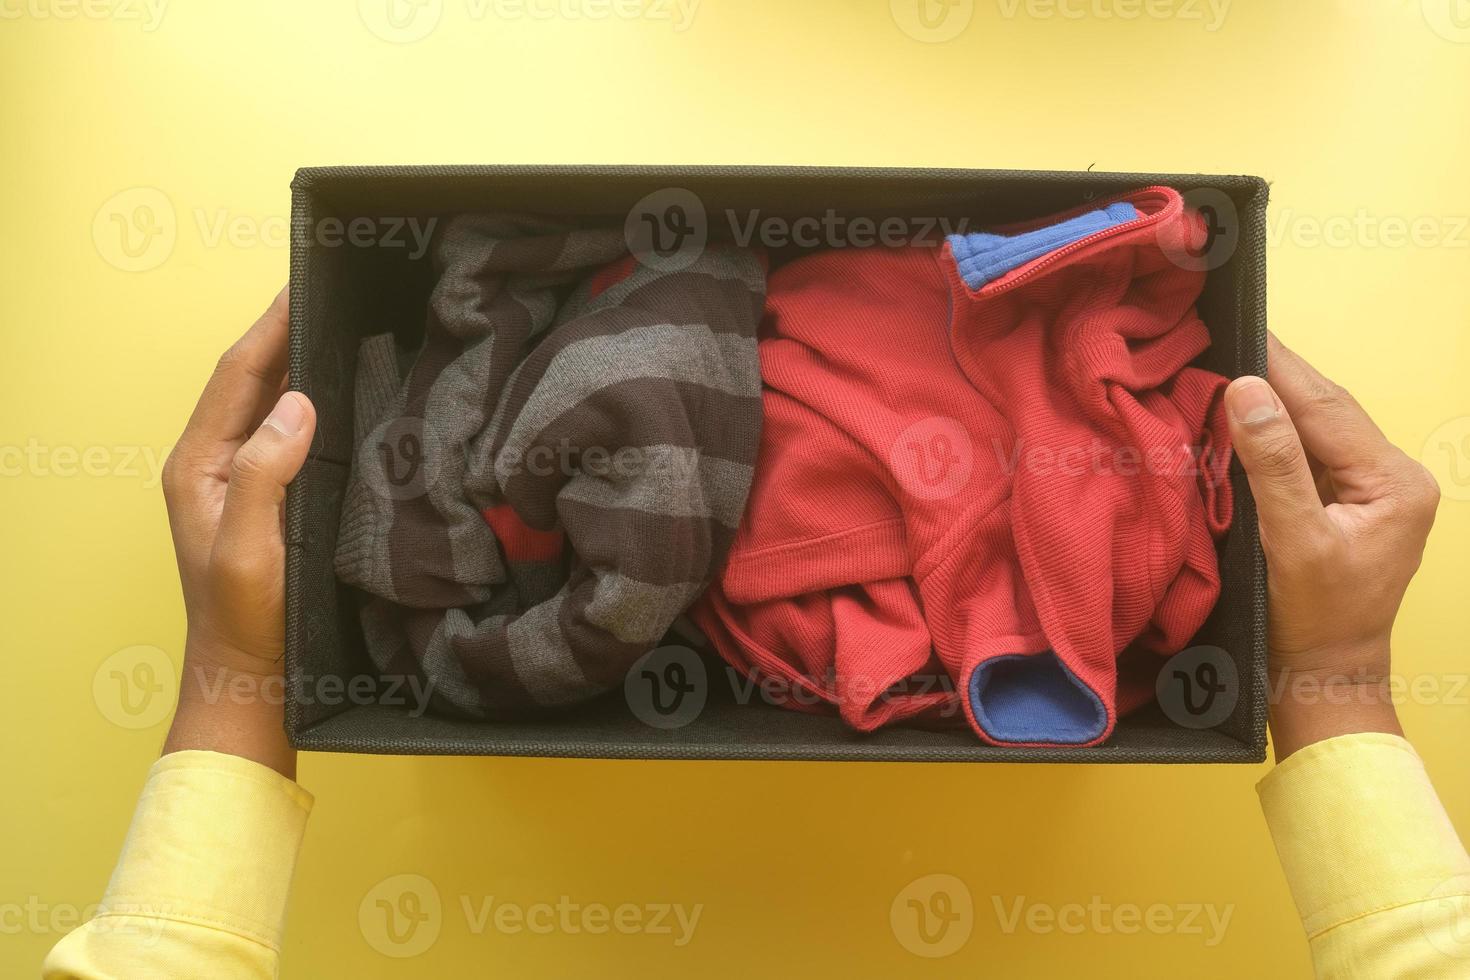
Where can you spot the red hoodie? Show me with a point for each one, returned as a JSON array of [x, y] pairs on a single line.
[[1022, 480]]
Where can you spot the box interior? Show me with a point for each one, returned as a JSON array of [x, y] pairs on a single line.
[[341, 292]]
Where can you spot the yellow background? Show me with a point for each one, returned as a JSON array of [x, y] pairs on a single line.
[[1355, 110]]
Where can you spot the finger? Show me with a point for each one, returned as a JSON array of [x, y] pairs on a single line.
[[250, 523], [1281, 481], [245, 382], [1332, 425]]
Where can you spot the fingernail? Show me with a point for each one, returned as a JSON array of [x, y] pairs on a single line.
[[1252, 401], [287, 416]]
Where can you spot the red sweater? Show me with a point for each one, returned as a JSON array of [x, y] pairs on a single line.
[[1022, 480]]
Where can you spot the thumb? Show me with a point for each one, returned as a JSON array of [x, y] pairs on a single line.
[[1271, 451], [258, 476]]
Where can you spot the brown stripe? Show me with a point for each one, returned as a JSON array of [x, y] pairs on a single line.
[[422, 564], [603, 658], [659, 549], [420, 555], [420, 558], [587, 248], [501, 243], [635, 413], [422, 561], [726, 306], [384, 629], [526, 253], [485, 658]]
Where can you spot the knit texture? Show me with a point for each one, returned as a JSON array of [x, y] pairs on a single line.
[[558, 471], [982, 256], [974, 499]]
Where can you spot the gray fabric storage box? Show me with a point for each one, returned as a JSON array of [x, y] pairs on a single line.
[[345, 286]]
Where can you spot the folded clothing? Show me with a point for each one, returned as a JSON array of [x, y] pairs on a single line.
[[991, 454], [560, 469]]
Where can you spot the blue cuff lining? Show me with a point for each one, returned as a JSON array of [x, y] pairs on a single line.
[[1035, 698], [982, 257]]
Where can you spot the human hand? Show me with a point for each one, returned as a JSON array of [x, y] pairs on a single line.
[[225, 483], [1344, 516]]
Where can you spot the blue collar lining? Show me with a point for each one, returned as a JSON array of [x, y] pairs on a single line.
[[982, 257]]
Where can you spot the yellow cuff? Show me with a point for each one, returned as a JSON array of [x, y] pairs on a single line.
[[1359, 830], [213, 842]]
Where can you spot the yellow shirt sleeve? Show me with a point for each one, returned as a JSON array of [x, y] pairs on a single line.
[[1380, 878], [200, 887]]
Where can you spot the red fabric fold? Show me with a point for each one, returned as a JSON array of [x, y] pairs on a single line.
[[1032, 466]]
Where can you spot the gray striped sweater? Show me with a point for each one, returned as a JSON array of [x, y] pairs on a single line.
[[560, 469]]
